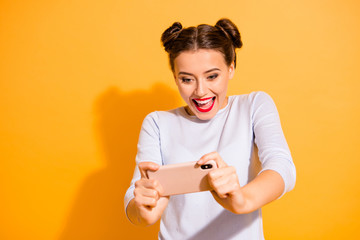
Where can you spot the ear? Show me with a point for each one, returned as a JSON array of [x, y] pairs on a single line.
[[231, 71]]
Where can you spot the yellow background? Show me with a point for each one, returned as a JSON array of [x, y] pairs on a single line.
[[78, 77]]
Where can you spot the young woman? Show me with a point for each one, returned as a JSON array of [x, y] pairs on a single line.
[[241, 133]]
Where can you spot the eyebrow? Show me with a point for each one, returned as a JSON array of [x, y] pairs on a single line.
[[210, 70]]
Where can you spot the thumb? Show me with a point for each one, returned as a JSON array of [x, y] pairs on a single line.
[[147, 166], [212, 156]]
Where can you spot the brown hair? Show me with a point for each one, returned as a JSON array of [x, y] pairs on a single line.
[[223, 37]]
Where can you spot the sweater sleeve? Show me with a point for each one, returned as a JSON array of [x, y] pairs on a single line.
[[273, 151], [148, 150]]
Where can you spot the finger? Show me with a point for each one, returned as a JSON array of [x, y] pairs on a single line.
[[145, 166], [147, 202], [146, 192], [217, 196], [152, 184], [224, 185], [225, 190], [145, 183], [159, 188], [218, 186], [212, 156], [222, 172]]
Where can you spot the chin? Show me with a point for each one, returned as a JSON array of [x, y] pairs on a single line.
[[205, 116]]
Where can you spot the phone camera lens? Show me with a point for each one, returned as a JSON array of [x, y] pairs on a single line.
[[206, 166]]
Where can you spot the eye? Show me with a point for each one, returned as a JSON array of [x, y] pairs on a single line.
[[185, 80], [213, 76]]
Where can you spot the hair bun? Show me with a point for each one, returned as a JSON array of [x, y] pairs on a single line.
[[230, 30], [170, 35]]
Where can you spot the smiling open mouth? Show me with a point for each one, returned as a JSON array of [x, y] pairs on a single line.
[[204, 104]]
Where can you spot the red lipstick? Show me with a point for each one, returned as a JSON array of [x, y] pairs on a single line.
[[204, 104]]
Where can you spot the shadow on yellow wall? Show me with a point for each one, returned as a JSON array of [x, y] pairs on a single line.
[[98, 211]]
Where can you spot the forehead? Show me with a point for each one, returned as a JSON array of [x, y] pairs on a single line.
[[199, 61]]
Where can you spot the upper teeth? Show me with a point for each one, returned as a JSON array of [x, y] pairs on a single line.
[[203, 101]]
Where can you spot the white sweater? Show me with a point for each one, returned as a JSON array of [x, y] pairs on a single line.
[[246, 133]]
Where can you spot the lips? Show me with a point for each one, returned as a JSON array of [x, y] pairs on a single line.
[[204, 104]]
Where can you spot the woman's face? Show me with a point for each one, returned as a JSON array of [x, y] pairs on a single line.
[[202, 78]]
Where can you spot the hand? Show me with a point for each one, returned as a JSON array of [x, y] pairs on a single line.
[[224, 181], [149, 203]]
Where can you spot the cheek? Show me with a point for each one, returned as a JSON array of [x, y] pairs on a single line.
[[185, 92], [222, 87]]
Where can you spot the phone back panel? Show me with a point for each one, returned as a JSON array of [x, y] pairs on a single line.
[[183, 177]]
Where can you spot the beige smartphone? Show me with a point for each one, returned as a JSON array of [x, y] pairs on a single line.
[[183, 178]]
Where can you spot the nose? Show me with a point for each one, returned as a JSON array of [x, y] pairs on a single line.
[[201, 88]]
